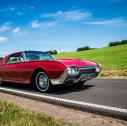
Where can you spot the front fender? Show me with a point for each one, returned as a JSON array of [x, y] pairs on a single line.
[[54, 69]]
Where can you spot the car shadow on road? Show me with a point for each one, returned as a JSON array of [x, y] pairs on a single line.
[[64, 89], [17, 86], [57, 89]]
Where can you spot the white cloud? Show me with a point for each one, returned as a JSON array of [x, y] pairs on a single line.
[[11, 10], [3, 39], [7, 9], [17, 31], [73, 15], [32, 7], [37, 24], [19, 13], [5, 27], [113, 21]]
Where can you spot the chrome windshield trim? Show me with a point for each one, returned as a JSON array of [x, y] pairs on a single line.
[[24, 56]]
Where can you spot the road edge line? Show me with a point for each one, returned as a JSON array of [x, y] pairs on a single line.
[[79, 105]]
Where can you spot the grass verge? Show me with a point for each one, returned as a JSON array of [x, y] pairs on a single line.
[[13, 115], [113, 73]]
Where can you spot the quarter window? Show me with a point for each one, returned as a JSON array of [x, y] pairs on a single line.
[[15, 58]]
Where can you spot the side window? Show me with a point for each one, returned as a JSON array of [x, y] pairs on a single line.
[[15, 58]]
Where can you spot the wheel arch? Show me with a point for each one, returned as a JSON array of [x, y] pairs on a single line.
[[35, 72]]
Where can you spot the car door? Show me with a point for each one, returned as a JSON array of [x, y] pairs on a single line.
[[13, 71]]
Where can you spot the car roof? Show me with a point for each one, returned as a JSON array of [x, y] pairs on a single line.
[[26, 51]]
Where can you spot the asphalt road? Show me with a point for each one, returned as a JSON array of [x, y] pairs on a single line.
[[108, 92]]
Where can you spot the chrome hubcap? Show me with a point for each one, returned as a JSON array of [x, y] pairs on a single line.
[[43, 81]]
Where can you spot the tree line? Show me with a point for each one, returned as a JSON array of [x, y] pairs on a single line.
[[117, 43], [84, 48], [109, 45], [52, 52]]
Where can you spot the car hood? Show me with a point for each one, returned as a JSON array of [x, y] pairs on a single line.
[[77, 62]]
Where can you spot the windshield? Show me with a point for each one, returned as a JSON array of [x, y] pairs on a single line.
[[37, 55]]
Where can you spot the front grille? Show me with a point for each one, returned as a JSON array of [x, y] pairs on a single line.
[[87, 71], [71, 77], [83, 71]]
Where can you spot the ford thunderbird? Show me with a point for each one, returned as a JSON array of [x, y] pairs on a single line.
[[43, 71]]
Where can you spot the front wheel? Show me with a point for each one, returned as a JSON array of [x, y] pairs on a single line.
[[79, 84], [1, 82], [42, 82]]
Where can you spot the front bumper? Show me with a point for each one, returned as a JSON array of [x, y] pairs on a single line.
[[84, 74]]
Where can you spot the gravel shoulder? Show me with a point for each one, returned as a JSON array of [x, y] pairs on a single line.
[[84, 118]]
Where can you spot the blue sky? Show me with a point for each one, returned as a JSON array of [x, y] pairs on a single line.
[[63, 25]]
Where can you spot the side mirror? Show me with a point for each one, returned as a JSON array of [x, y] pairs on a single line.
[[21, 60]]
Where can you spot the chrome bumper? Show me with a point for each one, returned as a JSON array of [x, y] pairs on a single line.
[[61, 79], [84, 77]]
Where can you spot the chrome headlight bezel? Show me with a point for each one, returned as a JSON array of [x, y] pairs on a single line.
[[73, 70], [98, 69]]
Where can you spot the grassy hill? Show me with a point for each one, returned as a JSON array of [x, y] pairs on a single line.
[[109, 57]]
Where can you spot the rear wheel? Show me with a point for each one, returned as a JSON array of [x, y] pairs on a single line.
[[42, 82]]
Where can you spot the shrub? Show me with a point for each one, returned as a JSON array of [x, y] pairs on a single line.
[[1, 58], [124, 42], [114, 43], [118, 43], [52, 52], [84, 48]]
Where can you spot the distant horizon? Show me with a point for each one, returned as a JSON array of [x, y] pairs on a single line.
[[59, 52], [60, 25]]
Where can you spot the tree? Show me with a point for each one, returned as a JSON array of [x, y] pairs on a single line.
[[114, 43], [1, 58], [124, 42], [55, 52], [84, 48], [118, 43], [52, 52]]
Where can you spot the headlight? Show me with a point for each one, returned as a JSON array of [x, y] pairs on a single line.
[[98, 69], [73, 70]]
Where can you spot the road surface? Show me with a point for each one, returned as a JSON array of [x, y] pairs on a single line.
[[105, 92]]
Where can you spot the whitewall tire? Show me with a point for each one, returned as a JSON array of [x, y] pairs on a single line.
[[42, 82]]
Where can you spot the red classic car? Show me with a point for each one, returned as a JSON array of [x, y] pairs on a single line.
[[42, 70]]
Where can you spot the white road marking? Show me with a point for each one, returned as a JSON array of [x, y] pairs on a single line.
[[67, 100]]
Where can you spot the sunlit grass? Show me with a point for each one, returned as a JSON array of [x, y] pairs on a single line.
[[109, 57], [13, 115]]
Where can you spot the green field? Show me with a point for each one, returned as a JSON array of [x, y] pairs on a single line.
[[109, 57], [13, 115]]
